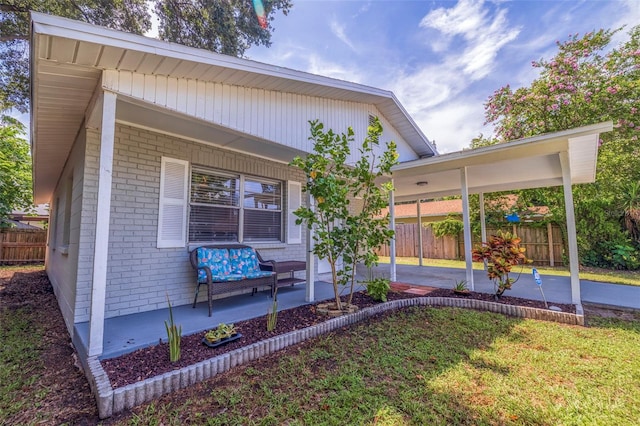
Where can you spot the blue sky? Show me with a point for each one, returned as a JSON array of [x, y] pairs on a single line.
[[442, 59]]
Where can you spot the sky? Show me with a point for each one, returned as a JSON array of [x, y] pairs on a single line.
[[442, 59]]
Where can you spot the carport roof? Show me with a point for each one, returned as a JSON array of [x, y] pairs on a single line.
[[525, 163]]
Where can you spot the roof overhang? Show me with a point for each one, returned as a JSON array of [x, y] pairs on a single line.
[[521, 164], [68, 58]]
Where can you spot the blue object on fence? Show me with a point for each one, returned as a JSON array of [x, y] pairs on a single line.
[[513, 218]]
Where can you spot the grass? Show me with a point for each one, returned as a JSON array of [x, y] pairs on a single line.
[[600, 275], [19, 358], [429, 366]]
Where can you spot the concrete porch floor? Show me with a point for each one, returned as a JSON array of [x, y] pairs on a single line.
[[128, 333]]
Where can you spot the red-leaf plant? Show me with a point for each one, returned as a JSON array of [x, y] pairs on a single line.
[[502, 252]]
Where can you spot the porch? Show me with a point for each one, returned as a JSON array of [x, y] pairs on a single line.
[[130, 332]]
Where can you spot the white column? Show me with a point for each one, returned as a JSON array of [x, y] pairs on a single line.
[[392, 243], [311, 265], [467, 226], [103, 207], [483, 224], [419, 234], [571, 229]]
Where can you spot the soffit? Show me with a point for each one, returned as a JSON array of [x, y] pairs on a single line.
[[522, 164]]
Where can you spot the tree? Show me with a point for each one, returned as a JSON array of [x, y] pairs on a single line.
[[340, 229], [224, 26], [586, 82], [15, 168]]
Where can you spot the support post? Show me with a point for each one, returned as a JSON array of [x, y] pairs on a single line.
[[103, 208], [571, 228], [420, 254], [392, 243], [483, 224], [467, 226], [552, 260], [311, 267]]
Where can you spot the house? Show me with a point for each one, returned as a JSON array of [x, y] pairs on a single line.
[[430, 211], [38, 217], [146, 149]]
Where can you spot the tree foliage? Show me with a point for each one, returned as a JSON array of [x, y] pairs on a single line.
[[586, 82], [342, 230], [223, 26], [15, 168]]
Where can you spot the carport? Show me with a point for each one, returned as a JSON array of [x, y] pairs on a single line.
[[555, 159]]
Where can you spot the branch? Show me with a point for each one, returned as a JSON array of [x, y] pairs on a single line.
[[13, 37], [12, 8]]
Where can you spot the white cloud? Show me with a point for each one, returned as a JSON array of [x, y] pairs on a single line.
[[438, 94], [321, 66], [338, 30], [483, 34], [452, 126]]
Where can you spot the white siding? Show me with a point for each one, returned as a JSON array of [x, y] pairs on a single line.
[[280, 117], [62, 261]]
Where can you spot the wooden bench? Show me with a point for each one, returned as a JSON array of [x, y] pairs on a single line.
[[225, 269]]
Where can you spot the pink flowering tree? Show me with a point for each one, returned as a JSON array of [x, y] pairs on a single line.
[[586, 82]]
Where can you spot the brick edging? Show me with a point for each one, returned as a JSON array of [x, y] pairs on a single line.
[[111, 401]]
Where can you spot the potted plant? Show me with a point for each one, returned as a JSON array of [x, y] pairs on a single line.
[[502, 252], [224, 333]]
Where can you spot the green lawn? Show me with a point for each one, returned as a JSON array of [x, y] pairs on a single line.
[[601, 275], [429, 366]]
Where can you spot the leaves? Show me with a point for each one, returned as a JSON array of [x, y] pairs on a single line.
[[223, 26], [346, 220], [586, 82], [15, 168], [502, 252]]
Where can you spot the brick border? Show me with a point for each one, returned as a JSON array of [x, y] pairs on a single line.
[[111, 401]]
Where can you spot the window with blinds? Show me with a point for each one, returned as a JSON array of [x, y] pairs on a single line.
[[233, 207]]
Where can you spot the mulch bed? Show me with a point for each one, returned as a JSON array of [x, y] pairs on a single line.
[[152, 361]]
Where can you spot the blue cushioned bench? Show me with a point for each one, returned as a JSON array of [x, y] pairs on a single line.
[[225, 269]]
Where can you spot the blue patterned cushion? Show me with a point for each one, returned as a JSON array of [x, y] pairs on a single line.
[[217, 260], [230, 277], [244, 261], [259, 274]]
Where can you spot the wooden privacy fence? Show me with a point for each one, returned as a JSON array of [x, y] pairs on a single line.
[[22, 245], [545, 245]]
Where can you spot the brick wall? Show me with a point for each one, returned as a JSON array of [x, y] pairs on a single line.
[[140, 276]]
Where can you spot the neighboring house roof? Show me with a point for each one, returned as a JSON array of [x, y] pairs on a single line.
[[428, 208], [19, 225], [69, 57], [445, 207]]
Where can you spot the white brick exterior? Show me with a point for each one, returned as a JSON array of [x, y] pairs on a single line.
[[139, 274]]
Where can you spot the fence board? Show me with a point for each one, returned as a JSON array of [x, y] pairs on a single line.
[[22, 245], [534, 239]]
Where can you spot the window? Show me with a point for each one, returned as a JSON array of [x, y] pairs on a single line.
[[66, 232], [233, 207]]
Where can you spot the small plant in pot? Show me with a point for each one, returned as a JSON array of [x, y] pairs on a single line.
[[460, 287], [222, 334], [502, 252]]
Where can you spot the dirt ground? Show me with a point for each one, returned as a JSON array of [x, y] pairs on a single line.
[[67, 397]]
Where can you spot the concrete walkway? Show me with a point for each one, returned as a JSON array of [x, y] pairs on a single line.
[[556, 288]]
